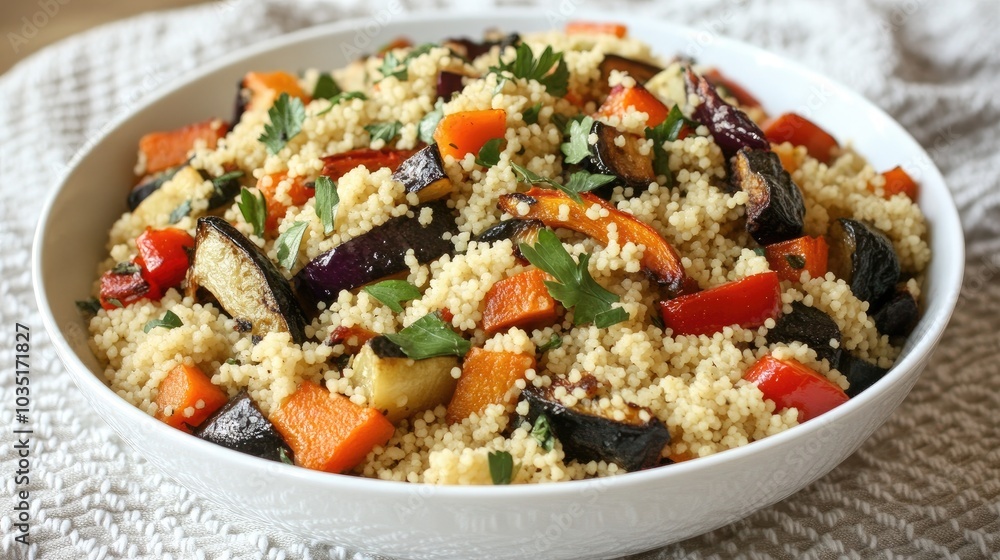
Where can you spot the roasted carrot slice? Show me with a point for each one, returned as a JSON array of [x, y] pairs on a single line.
[[659, 259], [800, 131], [486, 378], [337, 165], [790, 383], [742, 96], [596, 28], [623, 99], [899, 181], [328, 432], [520, 301], [790, 258], [266, 87], [186, 397], [162, 150], [466, 132], [298, 192], [747, 303]]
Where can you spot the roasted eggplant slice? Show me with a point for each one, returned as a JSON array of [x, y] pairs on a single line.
[[225, 190], [625, 162], [379, 253], [861, 374], [244, 281], [588, 436], [520, 231], [400, 386], [731, 128], [809, 326], [423, 173], [775, 211], [862, 256], [898, 315], [448, 84], [471, 50], [241, 426], [642, 72], [150, 185]]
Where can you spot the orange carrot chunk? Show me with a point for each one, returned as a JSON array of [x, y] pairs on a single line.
[[297, 191], [790, 258], [163, 150], [520, 301], [623, 100], [189, 397], [328, 432], [596, 28], [899, 181], [800, 131], [266, 87], [486, 378], [466, 132], [337, 165]]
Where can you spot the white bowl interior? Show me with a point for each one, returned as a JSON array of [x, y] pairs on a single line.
[[617, 516]]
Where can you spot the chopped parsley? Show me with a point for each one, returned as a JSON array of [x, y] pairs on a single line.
[[577, 147], [798, 262], [549, 69], [254, 210], [345, 96], [428, 124], [327, 200], [326, 87], [430, 336], [288, 244], [115, 302], [502, 467], [384, 131], [232, 361], [392, 66], [125, 268], [553, 343], [283, 455], [182, 210], [169, 321], [667, 131], [287, 115], [221, 180], [530, 115], [542, 433], [581, 181], [89, 306], [393, 293], [489, 154]]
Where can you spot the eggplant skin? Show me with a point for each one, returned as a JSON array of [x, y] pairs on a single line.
[[642, 72], [898, 315], [731, 128], [423, 173], [245, 282], [588, 437], [811, 327], [241, 426], [860, 373], [863, 256], [624, 162], [775, 210], [376, 254]]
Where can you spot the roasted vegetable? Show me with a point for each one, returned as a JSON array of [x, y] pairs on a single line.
[[790, 258], [225, 188], [259, 90], [159, 151], [241, 426], [398, 386], [337, 165], [471, 50], [159, 207], [148, 185], [899, 181], [800, 131], [625, 162], [736, 91], [588, 435], [244, 280], [791, 384], [642, 72], [862, 256], [125, 285], [466, 132], [353, 337], [298, 191], [379, 253], [731, 128], [775, 209], [596, 28], [811, 327], [186, 397], [521, 301], [448, 84], [622, 100], [164, 254], [423, 173], [487, 377], [327, 431], [659, 259], [898, 315], [861, 374], [747, 303]]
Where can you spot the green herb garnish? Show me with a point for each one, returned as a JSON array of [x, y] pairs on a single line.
[[393, 293], [287, 115], [759, 251], [384, 131], [116, 302], [169, 321], [88, 306], [573, 286], [577, 147], [542, 433], [428, 124], [530, 115], [581, 181], [489, 154], [430, 336], [254, 210], [283, 455], [392, 66], [183, 209], [667, 131], [326, 87], [345, 96], [288, 244], [585, 181], [552, 344], [525, 66], [501, 467], [797, 262], [125, 268], [217, 182], [327, 200], [232, 361]]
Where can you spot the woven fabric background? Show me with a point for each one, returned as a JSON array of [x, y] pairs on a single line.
[[925, 485]]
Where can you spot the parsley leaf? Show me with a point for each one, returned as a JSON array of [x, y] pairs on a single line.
[[384, 131], [584, 181], [667, 131], [530, 115], [217, 182], [326, 87], [393, 293], [254, 210], [89, 306], [549, 69], [115, 302], [286, 116], [430, 336], [392, 66], [552, 344], [527, 176], [327, 200], [345, 96], [428, 124], [124, 268], [573, 286], [542, 433], [183, 209], [797, 262], [169, 321], [283, 455], [502, 467], [288, 244], [489, 154], [577, 148], [232, 361]]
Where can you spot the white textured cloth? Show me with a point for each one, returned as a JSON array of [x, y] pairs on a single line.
[[925, 485]]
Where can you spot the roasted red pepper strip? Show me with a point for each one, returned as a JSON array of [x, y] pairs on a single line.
[[790, 258], [337, 165], [800, 131], [639, 98], [164, 254], [659, 259], [126, 288], [747, 303], [791, 384]]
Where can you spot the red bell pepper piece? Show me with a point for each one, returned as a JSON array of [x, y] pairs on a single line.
[[800, 131], [337, 165], [791, 384], [164, 256], [790, 258], [747, 303], [123, 288]]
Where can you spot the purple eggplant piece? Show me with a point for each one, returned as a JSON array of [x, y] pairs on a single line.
[[731, 128], [379, 253], [448, 84], [471, 49]]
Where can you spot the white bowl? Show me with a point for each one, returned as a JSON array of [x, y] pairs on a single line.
[[593, 518]]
